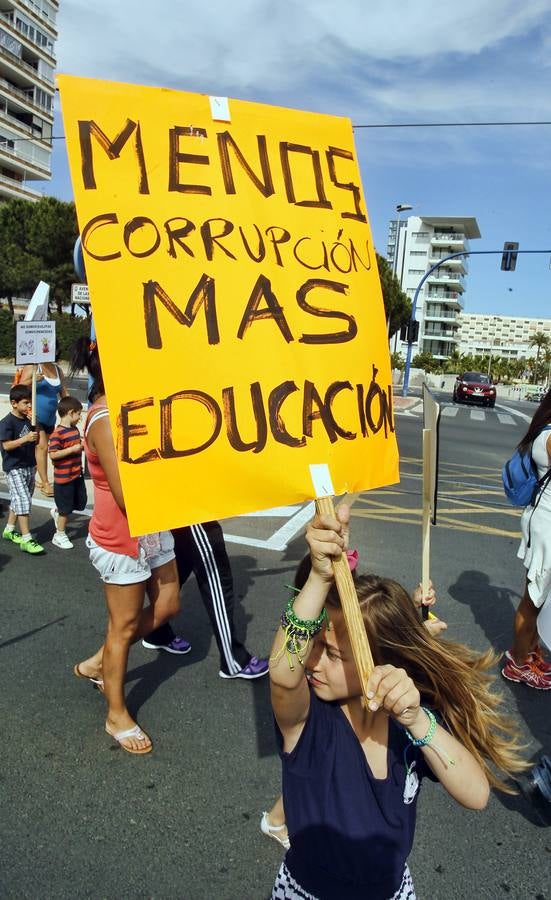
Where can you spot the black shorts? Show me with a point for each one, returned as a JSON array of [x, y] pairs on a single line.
[[70, 496]]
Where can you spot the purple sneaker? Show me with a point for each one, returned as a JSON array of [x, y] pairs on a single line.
[[177, 645], [255, 668]]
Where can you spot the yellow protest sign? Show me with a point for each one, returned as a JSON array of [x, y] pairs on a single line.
[[236, 299]]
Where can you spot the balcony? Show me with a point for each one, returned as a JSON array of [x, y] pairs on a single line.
[[17, 28], [11, 187], [11, 59], [438, 333], [24, 162], [14, 122], [442, 315], [460, 264], [41, 15], [26, 96], [455, 239], [451, 279]]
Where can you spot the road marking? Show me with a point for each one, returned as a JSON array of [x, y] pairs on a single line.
[[450, 411], [477, 415], [515, 412], [281, 537], [506, 419]]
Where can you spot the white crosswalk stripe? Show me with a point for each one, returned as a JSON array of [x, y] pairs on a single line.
[[505, 419], [450, 411], [477, 415]]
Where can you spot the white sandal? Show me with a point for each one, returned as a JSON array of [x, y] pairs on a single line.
[[136, 733], [272, 831]]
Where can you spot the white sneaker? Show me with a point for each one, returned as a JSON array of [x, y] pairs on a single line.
[[61, 540], [55, 515]]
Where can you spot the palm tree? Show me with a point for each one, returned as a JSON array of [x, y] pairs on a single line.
[[541, 341]]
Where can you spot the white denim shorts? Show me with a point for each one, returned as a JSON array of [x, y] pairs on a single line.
[[117, 568]]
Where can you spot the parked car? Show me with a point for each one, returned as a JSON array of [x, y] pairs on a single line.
[[536, 396], [474, 387]]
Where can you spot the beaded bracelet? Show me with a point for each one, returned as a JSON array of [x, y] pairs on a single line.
[[422, 742], [425, 741], [298, 634]]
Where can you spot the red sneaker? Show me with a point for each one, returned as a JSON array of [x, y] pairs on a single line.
[[527, 674], [537, 658]]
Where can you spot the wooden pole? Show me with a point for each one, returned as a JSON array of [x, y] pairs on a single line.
[[427, 481], [350, 606], [33, 398]]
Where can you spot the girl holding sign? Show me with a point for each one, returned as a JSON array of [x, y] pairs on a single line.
[[129, 567], [352, 773]]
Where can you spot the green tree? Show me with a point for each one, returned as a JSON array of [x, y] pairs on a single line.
[[397, 304], [52, 235], [541, 341], [426, 361], [37, 242], [19, 268]]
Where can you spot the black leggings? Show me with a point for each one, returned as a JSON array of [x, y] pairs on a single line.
[[201, 549]]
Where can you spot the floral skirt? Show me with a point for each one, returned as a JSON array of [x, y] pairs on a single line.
[[286, 888]]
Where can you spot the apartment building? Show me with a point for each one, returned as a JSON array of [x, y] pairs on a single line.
[[414, 246], [27, 64], [505, 336]]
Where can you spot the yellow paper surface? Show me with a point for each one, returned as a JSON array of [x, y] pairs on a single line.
[[236, 300]]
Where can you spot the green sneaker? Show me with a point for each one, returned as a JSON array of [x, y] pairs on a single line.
[[13, 536], [31, 546]]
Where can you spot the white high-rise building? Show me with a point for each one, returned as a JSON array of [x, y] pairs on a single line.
[[27, 65], [414, 246]]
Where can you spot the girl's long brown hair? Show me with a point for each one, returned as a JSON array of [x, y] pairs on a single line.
[[452, 679]]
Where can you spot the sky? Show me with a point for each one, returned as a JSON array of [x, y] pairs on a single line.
[[386, 62]]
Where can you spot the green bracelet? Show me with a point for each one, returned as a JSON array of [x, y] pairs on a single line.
[[425, 741], [311, 626], [422, 742]]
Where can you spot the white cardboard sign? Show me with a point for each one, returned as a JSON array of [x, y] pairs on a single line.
[[34, 342]]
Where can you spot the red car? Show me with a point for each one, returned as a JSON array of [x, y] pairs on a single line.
[[474, 387]]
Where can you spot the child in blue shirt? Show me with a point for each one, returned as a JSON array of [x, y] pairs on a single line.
[[352, 773]]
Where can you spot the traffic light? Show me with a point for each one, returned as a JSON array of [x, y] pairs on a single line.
[[410, 332], [509, 258]]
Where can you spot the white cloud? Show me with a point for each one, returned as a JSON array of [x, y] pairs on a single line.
[[390, 57]]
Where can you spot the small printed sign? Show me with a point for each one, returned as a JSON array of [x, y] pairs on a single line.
[[34, 343], [80, 294]]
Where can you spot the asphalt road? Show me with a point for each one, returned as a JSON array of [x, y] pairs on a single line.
[[81, 818]]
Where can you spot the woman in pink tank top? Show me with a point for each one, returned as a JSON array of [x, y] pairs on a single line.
[[129, 567]]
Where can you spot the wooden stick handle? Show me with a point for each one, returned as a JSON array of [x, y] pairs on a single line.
[[425, 534], [33, 398], [350, 606]]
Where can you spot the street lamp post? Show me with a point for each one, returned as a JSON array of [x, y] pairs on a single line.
[[496, 319], [400, 208]]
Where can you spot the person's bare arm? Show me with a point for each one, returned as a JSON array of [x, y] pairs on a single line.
[[63, 392], [73, 450], [101, 441], [327, 538], [30, 438], [27, 375]]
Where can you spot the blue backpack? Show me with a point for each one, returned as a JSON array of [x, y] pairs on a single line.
[[520, 477]]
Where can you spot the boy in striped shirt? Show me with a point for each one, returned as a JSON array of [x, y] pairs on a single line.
[[65, 449]]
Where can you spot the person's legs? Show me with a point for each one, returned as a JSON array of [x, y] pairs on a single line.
[[41, 454], [124, 606], [522, 664], [164, 635], [273, 824], [525, 629], [212, 569]]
